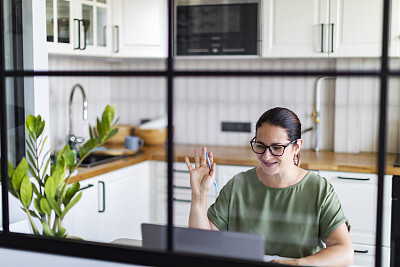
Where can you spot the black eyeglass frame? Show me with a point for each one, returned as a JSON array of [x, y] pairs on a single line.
[[252, 141]]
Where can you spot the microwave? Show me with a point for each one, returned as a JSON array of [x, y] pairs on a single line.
[[217, 29]]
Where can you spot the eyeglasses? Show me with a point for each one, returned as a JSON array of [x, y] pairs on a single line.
[[275, 150]]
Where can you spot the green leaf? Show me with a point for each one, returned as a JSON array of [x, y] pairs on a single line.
[[40, 129], [47, 230], [44, 206], [61, 232], [19, 174], [100, 129], [36, 204], [26, 191], [106, 120], [53, 204], [10, 169], [71, 204], [30, 144], [111, 134], [12, 190], [91, 132], [69, 157], [47, 165], [50, 187], [85, 149], [35, 190], [30, 125], [44, 141], [71, 191], [33, 214]]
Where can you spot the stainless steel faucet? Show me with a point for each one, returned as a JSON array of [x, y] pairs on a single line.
[[72, 139], [317, 111]]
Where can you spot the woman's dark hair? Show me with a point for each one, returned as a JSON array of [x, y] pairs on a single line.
[[286, 119]]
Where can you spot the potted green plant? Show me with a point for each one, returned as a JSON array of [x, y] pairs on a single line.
[[52, 195]]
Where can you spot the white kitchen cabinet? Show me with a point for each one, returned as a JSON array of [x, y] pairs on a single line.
[[226, 172], [79, 27], [182, 193], [327, 28], [140, 28], [82, 220], [358, 195], [114, 206]]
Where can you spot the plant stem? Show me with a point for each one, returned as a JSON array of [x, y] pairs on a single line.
[[35, 230]]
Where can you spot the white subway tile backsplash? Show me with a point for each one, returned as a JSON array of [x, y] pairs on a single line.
[[202, 103]]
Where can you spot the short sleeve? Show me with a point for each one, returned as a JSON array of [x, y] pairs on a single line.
[[218, 213], [331, 216]]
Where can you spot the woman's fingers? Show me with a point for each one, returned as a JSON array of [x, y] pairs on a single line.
[[203, 156], [189, 166], [196, 159]]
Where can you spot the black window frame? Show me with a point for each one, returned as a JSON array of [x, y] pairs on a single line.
[[123, 254]]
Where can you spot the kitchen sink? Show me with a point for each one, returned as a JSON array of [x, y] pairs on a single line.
[[94, 160]]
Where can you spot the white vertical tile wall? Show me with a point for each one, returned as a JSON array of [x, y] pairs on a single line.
[[349, 108]]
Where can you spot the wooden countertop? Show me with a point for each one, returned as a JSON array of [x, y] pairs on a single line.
[[228, 155]]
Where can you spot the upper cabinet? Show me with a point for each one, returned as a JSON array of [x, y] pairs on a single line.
[[322, 28], [119, 28], [78, 27], [140, 28]]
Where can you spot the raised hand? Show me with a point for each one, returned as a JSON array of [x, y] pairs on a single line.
[[201, 178]]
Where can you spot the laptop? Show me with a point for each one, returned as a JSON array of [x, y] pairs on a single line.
[[218, 243]]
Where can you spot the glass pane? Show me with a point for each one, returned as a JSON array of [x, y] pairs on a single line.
[[347, 131], [87, 15], [49, 20], [136, 100], [63, 12], [102, 1], [101, 26]]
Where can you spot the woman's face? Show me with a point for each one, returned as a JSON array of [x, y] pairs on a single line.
[[274, 135]]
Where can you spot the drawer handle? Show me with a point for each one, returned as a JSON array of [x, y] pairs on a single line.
[[182, 187], [181, 200], [365, 251], [354, 179], [180, 171]]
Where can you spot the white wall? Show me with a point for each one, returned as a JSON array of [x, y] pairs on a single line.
[[202, 103]]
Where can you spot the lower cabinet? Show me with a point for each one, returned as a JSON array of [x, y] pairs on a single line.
[[113, 205], [182, 194], [358, 195]]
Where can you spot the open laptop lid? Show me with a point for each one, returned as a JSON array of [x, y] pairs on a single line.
[[218, 243]]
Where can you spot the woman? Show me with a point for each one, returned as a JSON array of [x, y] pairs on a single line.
[[296, 211]]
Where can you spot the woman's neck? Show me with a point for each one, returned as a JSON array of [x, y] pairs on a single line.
[[281, 180]]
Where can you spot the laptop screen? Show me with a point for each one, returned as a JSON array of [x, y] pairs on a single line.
[[217, 243]]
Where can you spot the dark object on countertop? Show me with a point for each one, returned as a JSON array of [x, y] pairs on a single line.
[[397, 161], [94, 159]]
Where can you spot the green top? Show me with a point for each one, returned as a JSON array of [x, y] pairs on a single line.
[[294, 220]]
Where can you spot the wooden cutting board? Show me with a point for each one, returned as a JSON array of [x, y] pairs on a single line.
[[115, 152]]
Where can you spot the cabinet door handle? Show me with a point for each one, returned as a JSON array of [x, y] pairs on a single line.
[[84, 34], [365, 251], [105, 35], [182, 187], [354, 179], [79, 34], [116, 37], [181, 200], [322, 38], [332, 37], [104, 197], [86, 187]]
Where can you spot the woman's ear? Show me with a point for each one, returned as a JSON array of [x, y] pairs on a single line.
[[297, 145]]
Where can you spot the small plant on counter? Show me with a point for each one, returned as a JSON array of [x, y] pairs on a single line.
[[52, 195]]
